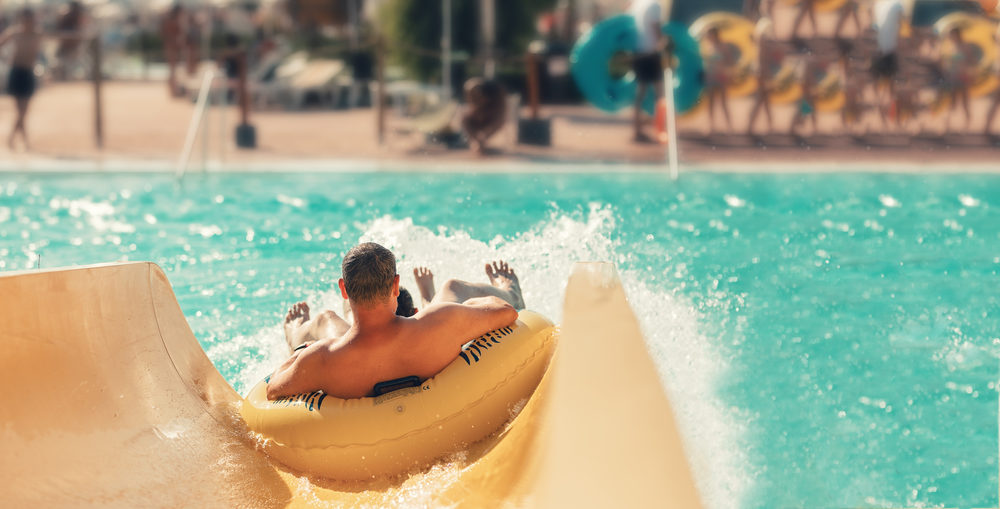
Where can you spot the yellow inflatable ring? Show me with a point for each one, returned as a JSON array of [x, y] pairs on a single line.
[[829, 94], [785, 88], [979, 32], [738, 32], [833, 102], [365, 438]]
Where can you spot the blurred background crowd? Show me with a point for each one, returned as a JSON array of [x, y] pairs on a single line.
[[772, 72]]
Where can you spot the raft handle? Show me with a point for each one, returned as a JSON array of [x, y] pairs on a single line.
[[396, 384]]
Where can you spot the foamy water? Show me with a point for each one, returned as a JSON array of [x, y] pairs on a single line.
[[544, 257], [826, 340]]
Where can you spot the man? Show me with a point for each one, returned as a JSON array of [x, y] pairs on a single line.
[[646, 63], [21, 81], [887, 18], [347, 360]]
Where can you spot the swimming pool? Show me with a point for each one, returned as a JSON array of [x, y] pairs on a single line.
[[828, 340]]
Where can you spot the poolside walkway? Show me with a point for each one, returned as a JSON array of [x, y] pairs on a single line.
[[142, 124]]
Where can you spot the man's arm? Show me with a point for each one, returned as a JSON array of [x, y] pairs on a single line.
[[446, 326], [296, 375]]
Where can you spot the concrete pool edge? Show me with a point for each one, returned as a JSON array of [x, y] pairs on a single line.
[[125, 165]]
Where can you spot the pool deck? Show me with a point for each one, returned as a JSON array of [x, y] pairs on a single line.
[[145, 129]]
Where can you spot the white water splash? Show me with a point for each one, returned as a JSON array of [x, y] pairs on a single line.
[[544, 258], [888, 201]]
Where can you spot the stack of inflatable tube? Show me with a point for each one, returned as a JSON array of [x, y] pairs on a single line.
[[594, 51], [979, 32], [785, 87], [828, 94], [736, 32], [364, 438]]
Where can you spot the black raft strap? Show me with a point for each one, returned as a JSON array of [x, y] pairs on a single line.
[[395, 385]]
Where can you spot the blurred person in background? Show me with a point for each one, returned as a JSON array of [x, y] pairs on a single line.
[[21, 81], [172, 34], [486, 112], [718, 64], [233, 63], [853, 86], [807, 103], [807, 8], [646, 63], [887, 17], [958, 71], [770, 57], [71, 21], [995, 96], [848, 10], [192, 42]]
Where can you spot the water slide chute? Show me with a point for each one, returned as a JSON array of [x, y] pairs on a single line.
[[594, 51], [110, 401]]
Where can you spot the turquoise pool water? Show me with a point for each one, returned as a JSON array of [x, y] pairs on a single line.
[[828, 340]]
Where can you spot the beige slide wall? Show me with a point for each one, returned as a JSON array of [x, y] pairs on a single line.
[[108, 400]]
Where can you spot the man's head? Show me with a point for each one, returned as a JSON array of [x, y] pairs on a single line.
[[27, 19], [369, 275]]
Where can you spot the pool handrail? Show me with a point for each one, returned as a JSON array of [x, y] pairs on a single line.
[[668, 92], [196, 119]]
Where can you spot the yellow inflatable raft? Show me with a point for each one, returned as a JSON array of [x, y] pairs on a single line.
[[737, 32], [385, 435], [977, 31]]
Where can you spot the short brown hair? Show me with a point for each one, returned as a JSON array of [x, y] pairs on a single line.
[[368, 270]]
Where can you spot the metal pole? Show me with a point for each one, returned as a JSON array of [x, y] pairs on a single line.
[[199, 113], [352, 15], [380, 89], [532, 74], [98, 104], [668, 92], [446, 49], [204, 132], [488, 20], [223, 128]]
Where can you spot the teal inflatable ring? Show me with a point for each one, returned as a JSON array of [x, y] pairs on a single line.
[[593, 51]]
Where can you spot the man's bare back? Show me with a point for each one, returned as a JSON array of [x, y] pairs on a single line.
[[347, 360]]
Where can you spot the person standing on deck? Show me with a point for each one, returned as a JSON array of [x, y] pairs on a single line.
[[807, 8], [995, 97], [770, 58], [486, 112], [71, 21], [172, 33], [719, 61], [888, 18], [21, 81], [646, 62]]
